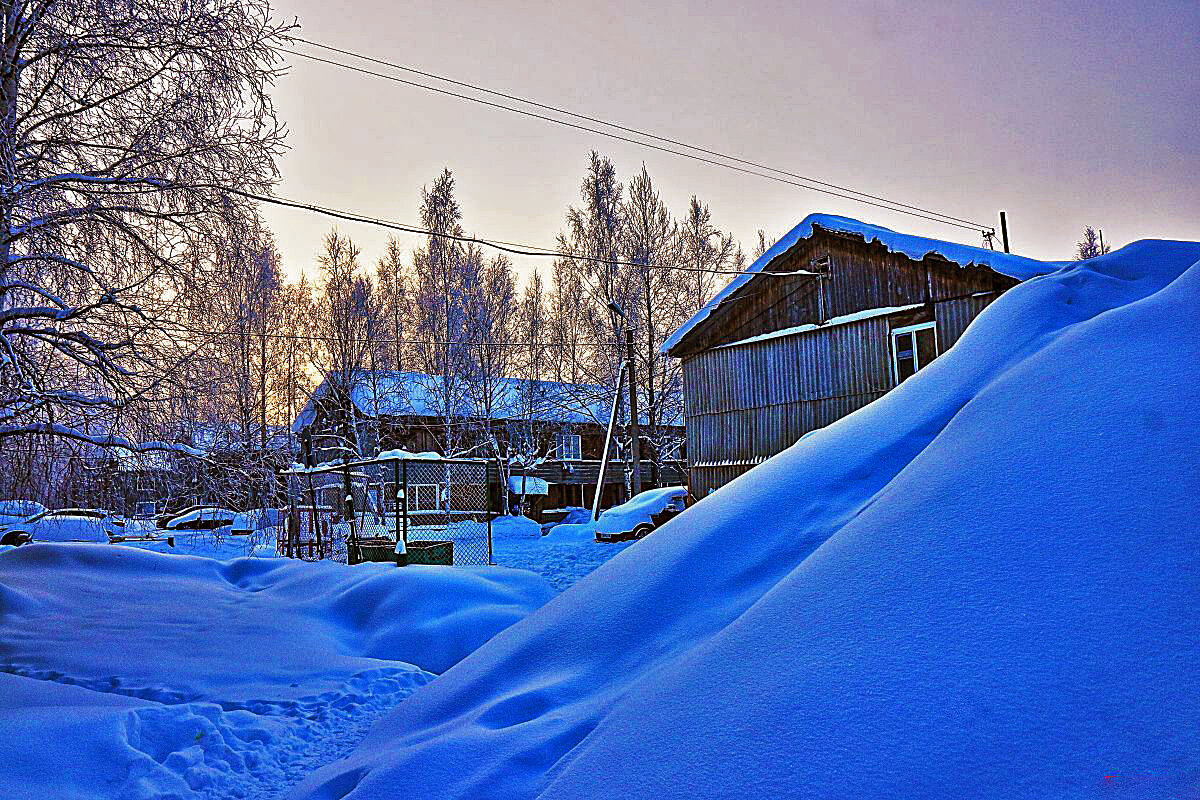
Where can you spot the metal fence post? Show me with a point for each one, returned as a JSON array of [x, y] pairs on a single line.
[[397, 493], [404, 469], [487, 489]]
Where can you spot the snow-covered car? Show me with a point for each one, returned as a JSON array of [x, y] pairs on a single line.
[[12, 511], [200, 518], [642, 514], [65, 525], [246, 522]]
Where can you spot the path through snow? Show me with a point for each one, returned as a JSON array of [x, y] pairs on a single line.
[[131, 674]]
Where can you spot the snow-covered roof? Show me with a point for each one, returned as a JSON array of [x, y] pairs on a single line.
[[915, 247], [391, 393]]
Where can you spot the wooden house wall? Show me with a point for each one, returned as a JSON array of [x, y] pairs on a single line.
[[743, 403], [858, 276], [759, 398]]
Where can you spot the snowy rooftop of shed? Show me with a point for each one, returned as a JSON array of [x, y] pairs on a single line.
[[391, 393], [915, 247]]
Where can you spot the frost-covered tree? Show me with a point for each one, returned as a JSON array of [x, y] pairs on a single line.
[[594, 244], [566, 318], [653, 245], [440, 311], [236, 400], [763, 245], [292, 382], [526, 446], [344, 323], [491, 326], [393, 280], [1091, 245], [123, 127], [706, 251]]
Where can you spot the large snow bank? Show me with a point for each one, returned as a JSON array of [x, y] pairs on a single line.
[[128, 673], [982, 585]]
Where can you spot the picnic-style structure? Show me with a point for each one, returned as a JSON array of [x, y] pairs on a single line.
[[441, 509], [857, 310]]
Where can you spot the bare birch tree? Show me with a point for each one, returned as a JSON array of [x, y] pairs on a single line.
[[440, 312], [122, 127]]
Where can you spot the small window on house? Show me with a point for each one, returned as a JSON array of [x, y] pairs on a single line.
[[913, 347], [424, 497], [569, 446]]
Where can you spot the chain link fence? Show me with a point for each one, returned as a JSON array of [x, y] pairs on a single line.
[[336, 511]]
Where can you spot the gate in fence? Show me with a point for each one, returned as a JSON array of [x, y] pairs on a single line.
[[348, 512]]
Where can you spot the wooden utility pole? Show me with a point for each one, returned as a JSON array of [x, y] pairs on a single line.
[[635, 429], [1004, 231]]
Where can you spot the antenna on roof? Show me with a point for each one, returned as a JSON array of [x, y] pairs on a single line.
[[1004, 231]]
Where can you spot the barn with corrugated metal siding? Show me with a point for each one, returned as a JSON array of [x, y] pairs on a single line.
[[831, 318]]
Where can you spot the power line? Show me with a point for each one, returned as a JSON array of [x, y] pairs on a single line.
[[627, 129], [180, 327], [888, 205], [502, 246]]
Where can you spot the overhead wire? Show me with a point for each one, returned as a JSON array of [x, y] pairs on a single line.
[[637, 131], [504, 247], [888, 205]]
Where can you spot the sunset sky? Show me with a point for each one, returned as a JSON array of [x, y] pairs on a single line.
[[1074, 114]]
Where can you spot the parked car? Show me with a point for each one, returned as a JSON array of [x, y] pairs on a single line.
[[200, 518], [641, 515], [13, 511], [246, 522], [65, 525]]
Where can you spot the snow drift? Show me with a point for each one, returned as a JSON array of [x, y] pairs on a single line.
[[128, 673], [982, 585]]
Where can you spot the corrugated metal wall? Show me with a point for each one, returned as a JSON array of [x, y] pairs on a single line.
[[747, 402], [953, 317]]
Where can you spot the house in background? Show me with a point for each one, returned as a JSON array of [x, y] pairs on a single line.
[[551, 433], [860, 308]]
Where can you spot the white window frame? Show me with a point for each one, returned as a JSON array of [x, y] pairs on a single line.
[[414, 496], [917, 365], [561, 441]]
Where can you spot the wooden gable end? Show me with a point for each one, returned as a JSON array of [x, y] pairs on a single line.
[[853, 276]]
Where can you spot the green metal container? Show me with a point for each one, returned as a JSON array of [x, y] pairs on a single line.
[[377, 550], [432, 551]]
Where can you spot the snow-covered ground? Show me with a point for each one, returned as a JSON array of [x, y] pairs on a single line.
[[569, 553], [561, 557], [132, 674], [982, 585]]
